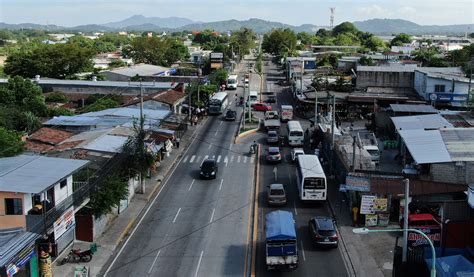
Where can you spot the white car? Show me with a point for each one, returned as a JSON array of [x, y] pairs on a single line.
[[295, 152]]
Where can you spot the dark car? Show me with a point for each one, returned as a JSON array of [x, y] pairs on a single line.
[[230, 115], [209, 169], [322, 231]]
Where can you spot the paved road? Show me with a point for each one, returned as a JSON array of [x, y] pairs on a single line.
[[197, 227], [313, 261]]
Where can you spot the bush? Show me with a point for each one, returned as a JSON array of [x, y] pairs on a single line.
[[56, 97]]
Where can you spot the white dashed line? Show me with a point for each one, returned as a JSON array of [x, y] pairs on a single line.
[[232, 158], [192, 159], [191, 186], [209, 147], [212, 215], [245, 159], [252, 160], [154, 261], [220, 123], [205, 157], [199, 264], [176, 216], [215, 134], [185, 159], [294, 207], [219, 158], [222, 181], [238, 159]]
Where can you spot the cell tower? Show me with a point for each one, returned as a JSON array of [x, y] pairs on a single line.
[[331, 19]]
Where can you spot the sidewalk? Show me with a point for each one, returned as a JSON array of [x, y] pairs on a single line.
[[122, 225], [364, 255]]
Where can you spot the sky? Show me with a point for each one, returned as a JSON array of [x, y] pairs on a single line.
[[295, 12]]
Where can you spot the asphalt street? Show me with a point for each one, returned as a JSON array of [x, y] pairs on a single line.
[[312, 261], [196, 227]]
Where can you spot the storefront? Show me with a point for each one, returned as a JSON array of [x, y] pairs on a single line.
[[20, 258]]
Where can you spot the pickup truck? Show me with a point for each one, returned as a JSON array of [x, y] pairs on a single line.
[[272, 124], [280, 241]]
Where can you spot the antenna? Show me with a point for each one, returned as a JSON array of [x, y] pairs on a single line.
[[331, 19]]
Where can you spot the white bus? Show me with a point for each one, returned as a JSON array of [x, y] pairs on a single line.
[[311, 180], [232, 82], [218, 103], [295, 133]]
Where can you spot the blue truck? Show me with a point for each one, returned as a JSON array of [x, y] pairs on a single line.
[[280, 241]]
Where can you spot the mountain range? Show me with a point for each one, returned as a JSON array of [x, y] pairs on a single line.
[[172, 24]]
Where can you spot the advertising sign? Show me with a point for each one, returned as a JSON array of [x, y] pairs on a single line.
[[357, 183], [370, 220], [433, 232], [64, 222], [380, 204], [367, 204], [383, 219]]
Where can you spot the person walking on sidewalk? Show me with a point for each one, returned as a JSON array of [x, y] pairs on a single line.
[[177, 142]]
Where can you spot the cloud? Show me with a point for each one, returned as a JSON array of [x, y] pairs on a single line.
[[407, 11], [373, 11]]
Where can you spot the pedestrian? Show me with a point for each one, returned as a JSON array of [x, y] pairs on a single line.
[[177, 140], [195, 120]]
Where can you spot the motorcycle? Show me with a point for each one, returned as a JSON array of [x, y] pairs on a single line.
[[253, 149], [76, 256]]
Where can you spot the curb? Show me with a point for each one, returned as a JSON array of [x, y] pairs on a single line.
[[246, 133], [125, 231], [255, 215]]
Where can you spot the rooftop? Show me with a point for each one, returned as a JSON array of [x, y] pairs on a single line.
[[12, 241], [34, 174], [408, 108], [141, 69], [106, 143], [429, 121]]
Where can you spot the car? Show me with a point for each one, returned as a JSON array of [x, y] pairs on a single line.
[[276, 195], [271, 115], [273, 155], [271, 99], [295, 152], [323, 231], [230, 115], [273, 136], [209, 169], [258, 106]]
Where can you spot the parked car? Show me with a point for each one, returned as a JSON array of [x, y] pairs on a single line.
[[276, 195], [230, 115], [261, 107], [209, 169], [295, 152], [273, 155], [273, 136], [322, 231]]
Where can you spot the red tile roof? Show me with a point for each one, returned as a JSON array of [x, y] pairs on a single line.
[[50, 136]]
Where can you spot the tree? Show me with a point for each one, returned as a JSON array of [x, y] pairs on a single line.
[[345, 27], [55, 61], [100, 104], [373, 43], [109, 193], [430, 57], [218, 77], [280, 42], [241, 41], [24, 95], [305, 38], [10, 143], [114, 63], [56, 97], [155, 50], [364, 60], [400, 40], [346, 39]]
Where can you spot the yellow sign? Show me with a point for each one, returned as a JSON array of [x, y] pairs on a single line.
[[380, 204]]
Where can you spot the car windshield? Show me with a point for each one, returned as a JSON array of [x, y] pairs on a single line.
[[207, 165], [273, 152], [277, 192], [272, 134]]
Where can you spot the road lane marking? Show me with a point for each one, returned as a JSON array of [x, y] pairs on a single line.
[[232, 158], [147, 210], [192, 158], [199, 264], [289, 177], [302, 250], [238, 159], [213, 157], [198, 159], [221, 121], [209, 147], [245, 159], [205, 158], [215, 134], [226, 161], [222, 181], [294, 206], [185, 159], [176, 216], [212, 215], [154, 261], [219, 158], [191, 186]]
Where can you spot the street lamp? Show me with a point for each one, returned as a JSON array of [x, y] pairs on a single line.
[[363, 231], [316, 116]]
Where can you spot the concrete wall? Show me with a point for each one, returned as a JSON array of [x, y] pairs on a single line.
[[384, 79], [11, 221], [425, 85], [456, 173], [60, 194]]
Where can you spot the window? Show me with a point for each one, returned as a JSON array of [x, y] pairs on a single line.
[[13, 206], [63, 183], [440, 88]]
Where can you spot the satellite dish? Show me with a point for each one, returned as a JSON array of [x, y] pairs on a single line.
[[433, 97]]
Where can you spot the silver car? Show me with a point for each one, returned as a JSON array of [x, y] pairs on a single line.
[[276, 195], [272, 137]]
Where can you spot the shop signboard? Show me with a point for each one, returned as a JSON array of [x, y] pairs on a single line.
[[63, 223], [370, 220], [380, 204], [433, 232], [357, 183], [383, 219], [367, 204], [20, 260]]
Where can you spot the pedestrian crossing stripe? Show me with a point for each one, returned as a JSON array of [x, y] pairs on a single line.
[[220, 159]]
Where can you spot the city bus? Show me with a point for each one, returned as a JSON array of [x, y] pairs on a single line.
[[232, 82], [295, 133], [310, 179], [218, 103]]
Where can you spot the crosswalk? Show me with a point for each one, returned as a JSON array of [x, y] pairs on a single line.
[[197, 159]]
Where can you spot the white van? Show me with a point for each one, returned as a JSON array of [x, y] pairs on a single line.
[[232, 82], [253, 96]]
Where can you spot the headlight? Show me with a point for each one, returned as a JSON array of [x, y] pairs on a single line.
[[213, 173]]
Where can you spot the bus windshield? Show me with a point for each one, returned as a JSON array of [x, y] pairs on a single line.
[[313, 183]]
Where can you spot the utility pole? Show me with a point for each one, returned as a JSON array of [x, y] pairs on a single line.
[[316, 116], [333, 121], [353, 153], [301, 85], [405, 221]]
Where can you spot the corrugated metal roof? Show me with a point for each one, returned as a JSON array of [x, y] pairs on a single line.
[[106, 143], [117, 84], [393, 68], [413, 108], [459, 143], [130, 112], [425, 146], [80, 120], [428, 121], [140, 69], [13, 241], [34, 174]]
